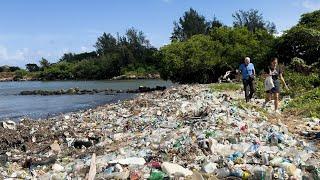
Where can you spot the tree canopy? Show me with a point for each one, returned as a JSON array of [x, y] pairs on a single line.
[[302, 40], [201, 50], [253, 20], [192, 23], [311, 20]]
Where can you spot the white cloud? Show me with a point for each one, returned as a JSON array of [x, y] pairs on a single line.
[[15, 58], [17, 55], [84, 49], [311, 5]]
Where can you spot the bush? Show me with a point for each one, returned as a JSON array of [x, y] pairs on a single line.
[[299, 65], [19, 74], [59, 71], [307, 104], [298, 84], [204, 58]]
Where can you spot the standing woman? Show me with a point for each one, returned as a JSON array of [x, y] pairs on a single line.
[[275, 72]]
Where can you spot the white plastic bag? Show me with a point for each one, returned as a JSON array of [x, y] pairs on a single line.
[[268, 83]]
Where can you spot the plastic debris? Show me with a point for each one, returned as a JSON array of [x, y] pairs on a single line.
[[161, 135], [175, 169], [9, 125]]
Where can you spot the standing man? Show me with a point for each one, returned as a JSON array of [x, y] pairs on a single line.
[[248, 74]]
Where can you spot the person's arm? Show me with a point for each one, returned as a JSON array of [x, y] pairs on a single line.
[[283, 81]]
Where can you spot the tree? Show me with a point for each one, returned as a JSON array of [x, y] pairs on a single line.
[[190, 24], [253, 20], [106, 44], [204, 58], [215, 23], [71, 57], [137, 38], [44, 63], [311, 20], [13, 68], [300, 42], [32, 67]]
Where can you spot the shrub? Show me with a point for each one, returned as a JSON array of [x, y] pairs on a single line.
[[299, 65], [307, 104]]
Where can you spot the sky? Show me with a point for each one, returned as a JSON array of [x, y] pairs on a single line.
[[33, 29]]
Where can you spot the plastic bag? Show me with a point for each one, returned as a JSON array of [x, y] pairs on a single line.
[[268, 83]]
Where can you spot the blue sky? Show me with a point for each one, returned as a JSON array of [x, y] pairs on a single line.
[[33, 29]]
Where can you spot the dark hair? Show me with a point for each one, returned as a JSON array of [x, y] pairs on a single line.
[[273, 59]]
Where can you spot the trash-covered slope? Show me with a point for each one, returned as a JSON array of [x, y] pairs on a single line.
[[186, 131]]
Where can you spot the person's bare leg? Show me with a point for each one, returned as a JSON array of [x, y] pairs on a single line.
[[276, 101], [268, 98]]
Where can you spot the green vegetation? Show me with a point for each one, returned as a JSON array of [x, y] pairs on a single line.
[[203, 58], [9, 68], [128, 54], [304, 89], [307, 104], [19, 74], [226, 87], [206, 55]]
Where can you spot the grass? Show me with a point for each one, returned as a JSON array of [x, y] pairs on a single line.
[[304, 91], [307, 104], [226, 87], [243, 105]]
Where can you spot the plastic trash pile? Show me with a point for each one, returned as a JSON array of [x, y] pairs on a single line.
[[185, 132]]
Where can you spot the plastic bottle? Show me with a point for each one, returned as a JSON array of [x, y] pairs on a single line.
[[265, 159], [156, 175], [222, 173], [290, 168]]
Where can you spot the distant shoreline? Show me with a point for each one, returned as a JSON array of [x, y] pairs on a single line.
[[121, 77]]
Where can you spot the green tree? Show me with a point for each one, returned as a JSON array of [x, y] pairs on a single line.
[[44, 63], [106, 44], [215, 23], [32, 67], [190, 24], [300, 42], [71, 57], [311, 20], [253, 20], [203, 58]]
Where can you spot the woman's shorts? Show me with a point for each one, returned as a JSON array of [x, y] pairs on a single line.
[[276, 88]]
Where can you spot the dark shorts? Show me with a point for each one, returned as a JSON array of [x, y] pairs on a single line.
[[276, 88]]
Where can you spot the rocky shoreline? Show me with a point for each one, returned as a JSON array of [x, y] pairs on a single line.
[[128, 77], [121, 77], [186, 132], [77, 91]]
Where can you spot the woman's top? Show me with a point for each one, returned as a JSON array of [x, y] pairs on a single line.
[[274, 72]]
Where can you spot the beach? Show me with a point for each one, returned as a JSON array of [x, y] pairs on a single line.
[[185, 131]]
